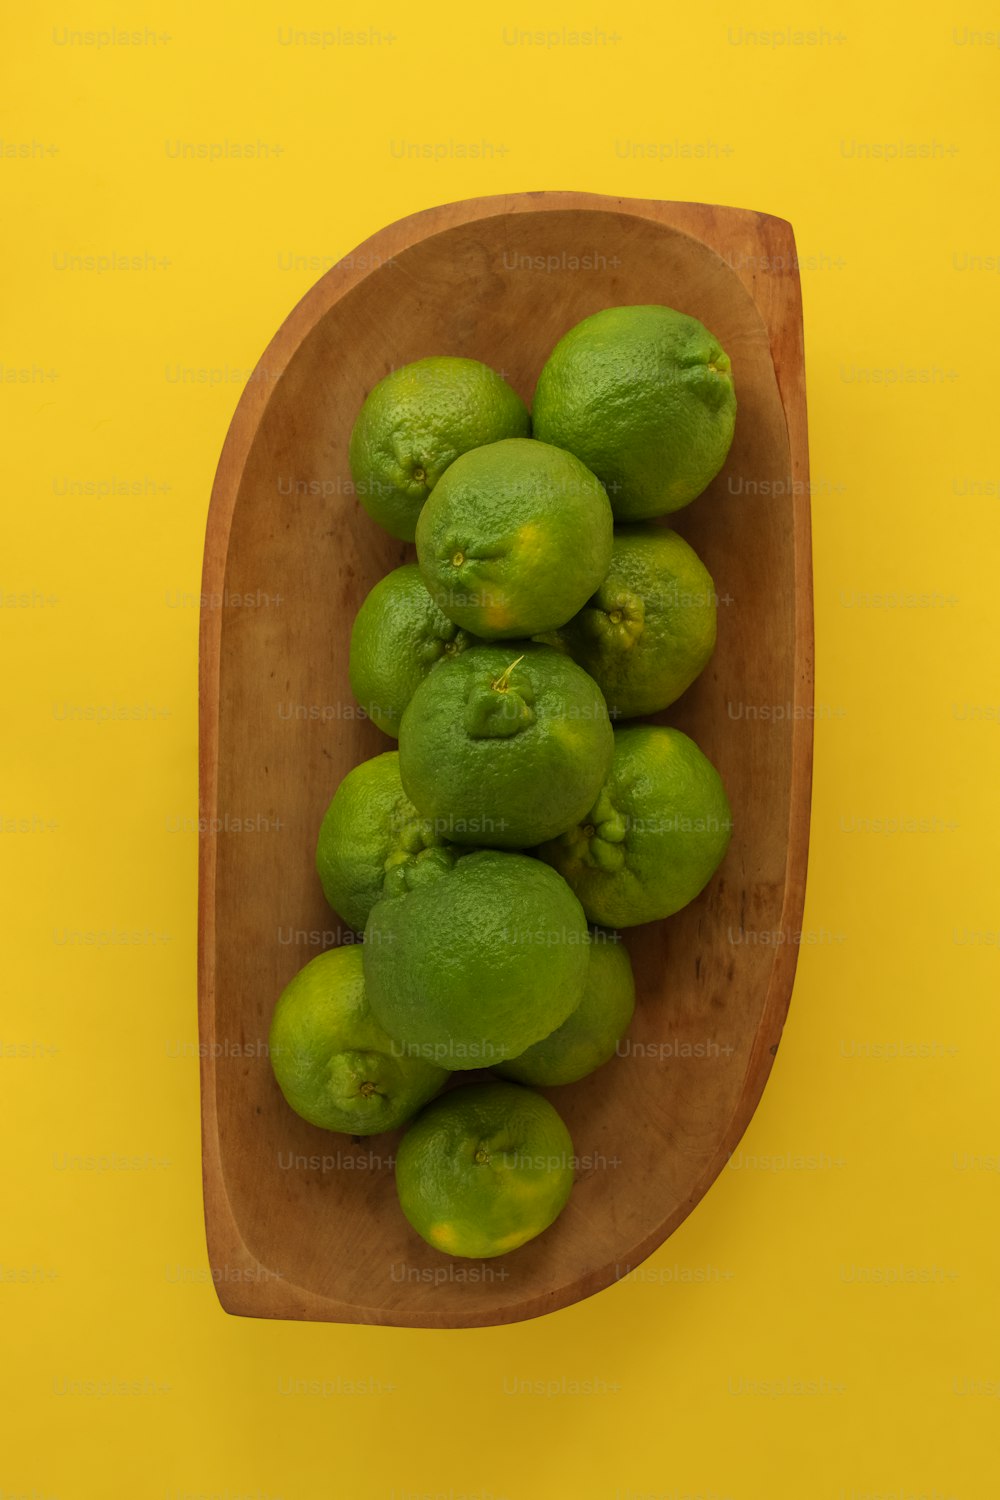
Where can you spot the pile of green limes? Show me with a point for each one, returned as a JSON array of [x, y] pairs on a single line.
[[491, 857]]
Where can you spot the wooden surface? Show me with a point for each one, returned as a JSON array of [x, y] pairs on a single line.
[[292, 1235]]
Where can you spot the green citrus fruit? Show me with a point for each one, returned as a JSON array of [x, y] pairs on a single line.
[[515, 539], [503, 742], [650, 629], [484, 1169], [398, 635], [370, 829], [476, 958], [644, 397], [333, 1062], [590, 1034], [416, 422], [654, 837]]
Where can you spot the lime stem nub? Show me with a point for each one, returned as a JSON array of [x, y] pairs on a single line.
[[502, 683]]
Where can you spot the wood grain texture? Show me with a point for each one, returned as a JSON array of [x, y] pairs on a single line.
[[302, 1223]]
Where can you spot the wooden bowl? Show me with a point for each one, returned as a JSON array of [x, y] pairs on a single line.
[[302, 1223]]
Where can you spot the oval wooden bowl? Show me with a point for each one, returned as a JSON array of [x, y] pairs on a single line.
[[302, 1223]]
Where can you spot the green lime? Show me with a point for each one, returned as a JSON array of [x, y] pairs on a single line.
[[650, 629], [416, 422], [515, 539], [656, 834], [398, 635], [476, 958], [369, 829], [484, 1169], [644, 397], [590, 1034], [503, 742], [333, 1062]]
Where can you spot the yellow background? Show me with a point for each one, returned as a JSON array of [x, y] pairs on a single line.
[[859, 1254]]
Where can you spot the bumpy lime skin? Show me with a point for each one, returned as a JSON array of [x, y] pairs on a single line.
[[644, 396], [475, 958], [333, 1062], [655, 836], [484, 1169], [398, 635], [650, 629], [514, 539], [415, 422], [590, 1034], [369, 829], [505, 746]]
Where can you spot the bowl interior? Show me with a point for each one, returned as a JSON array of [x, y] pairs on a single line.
[[319, 1210]]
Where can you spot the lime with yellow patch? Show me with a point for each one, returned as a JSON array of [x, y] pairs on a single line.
[[416, 422], [649, 630], [484, 1169], [369, 831], [505, 746], [398, 635], [591, 1033], [333, 1062], [515, 539], [644, 397], [470, 959], [655, 836]]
